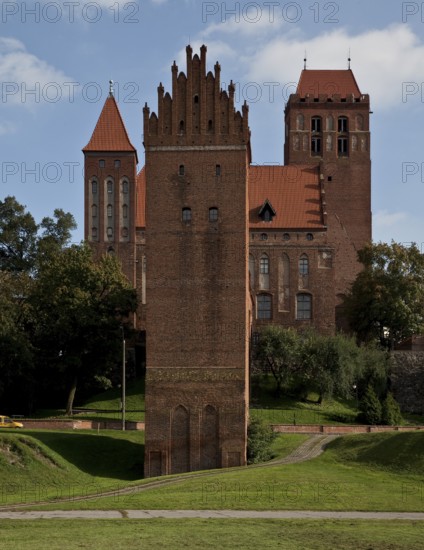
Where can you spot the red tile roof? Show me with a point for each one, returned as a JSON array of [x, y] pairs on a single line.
[[110, 133], [293, 191], [314, 82], [140, 215]]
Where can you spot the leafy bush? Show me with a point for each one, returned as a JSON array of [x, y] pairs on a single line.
[[370, 407], [259, 440], [391, 414]]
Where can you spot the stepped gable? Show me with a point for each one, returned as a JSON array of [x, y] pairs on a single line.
[[313, 83], [294, 192], [110, 133], [140, 216], [199, 112]]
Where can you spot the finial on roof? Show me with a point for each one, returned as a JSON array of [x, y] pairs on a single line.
[[304, 61], [348, 60], [111, 91]]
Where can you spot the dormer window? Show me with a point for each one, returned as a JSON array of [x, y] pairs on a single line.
[[267, 212]]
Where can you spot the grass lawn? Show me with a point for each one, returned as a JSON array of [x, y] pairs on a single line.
[[228, 534], [43, 465], [371, 472]]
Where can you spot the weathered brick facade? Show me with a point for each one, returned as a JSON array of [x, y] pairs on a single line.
[[217, 247]]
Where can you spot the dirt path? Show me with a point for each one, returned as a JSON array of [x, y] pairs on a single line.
[[208, 514]]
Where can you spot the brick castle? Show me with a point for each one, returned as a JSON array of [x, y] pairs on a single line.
[[218, 247]]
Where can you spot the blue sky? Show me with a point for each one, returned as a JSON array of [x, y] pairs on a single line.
[[56, 59]]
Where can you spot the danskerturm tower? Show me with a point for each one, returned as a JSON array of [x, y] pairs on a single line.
[[198, 303]]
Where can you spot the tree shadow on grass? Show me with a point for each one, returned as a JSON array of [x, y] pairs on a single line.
[[96, 454]]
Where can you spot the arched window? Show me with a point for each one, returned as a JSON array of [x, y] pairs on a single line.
[[94, 211], [303, 265], [110, 186], [210, 126], [263, 306], [94, 232], [303, 306], [186, 215], [181, 126], [124, 211], [109, 232], [217, 170], [316, 124], [213, 214], [264, 264], [264, 272], [125, 186], [343, 124], [181, 170], [94, 187], [109, 210]]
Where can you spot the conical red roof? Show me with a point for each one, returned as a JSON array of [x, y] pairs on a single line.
[[110, 133]]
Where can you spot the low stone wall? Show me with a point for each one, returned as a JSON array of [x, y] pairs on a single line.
[[340, 430], [279, 428], [407, 380], [54, 424]]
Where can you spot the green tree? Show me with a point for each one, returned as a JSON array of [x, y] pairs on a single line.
[[260, 436], [391, 414], [330, 364], [370, 407], [18, 237], [278, 350], [23, 242], [386, 301], [79, 306]]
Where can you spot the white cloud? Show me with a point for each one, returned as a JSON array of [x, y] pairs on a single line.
[[25, 79], [383, 60], [374, 53]]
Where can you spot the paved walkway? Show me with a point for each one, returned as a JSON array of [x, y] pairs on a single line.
[[207, 514]]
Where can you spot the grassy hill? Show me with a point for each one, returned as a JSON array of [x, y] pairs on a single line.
[[44, 465], [381, 471]]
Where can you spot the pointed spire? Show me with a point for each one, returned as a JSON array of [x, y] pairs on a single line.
[[110, 133], [111, 90]]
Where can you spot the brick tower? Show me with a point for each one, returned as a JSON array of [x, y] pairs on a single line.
[[327, 124], [198, 305], [110, 162]]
